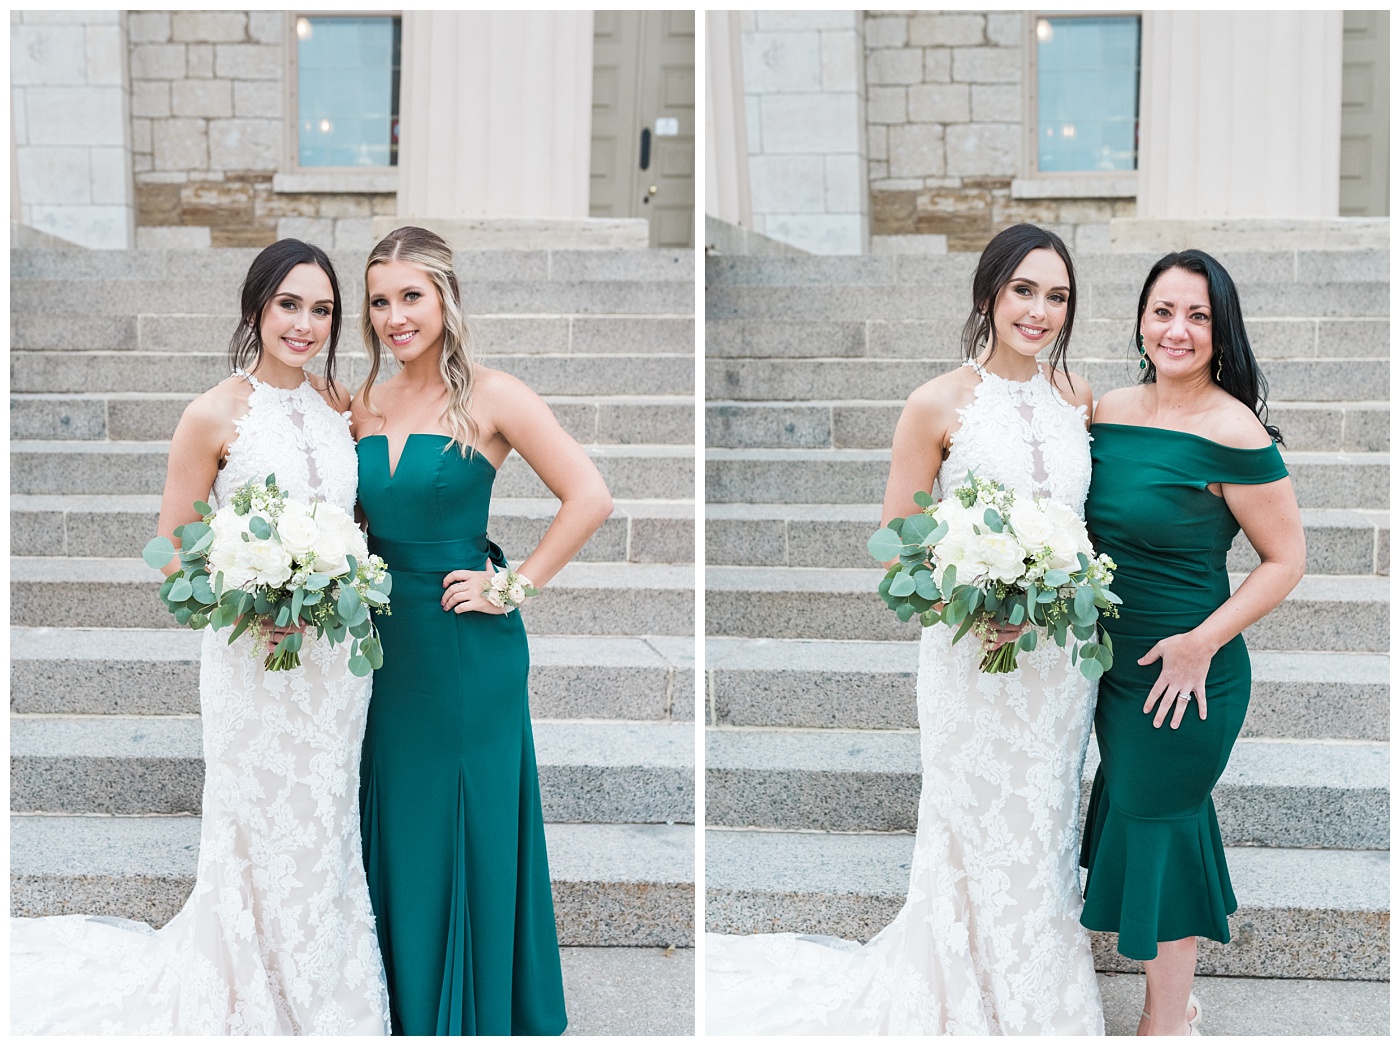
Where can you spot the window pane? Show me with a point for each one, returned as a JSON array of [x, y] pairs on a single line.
[[1088, 93], [347, 90]]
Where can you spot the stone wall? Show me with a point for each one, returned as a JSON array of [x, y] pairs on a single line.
[[804, 99], [208, 119], [70, 97], [944, 111]]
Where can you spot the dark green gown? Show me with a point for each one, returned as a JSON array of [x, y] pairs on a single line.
[[449, 795], [1156, 865]]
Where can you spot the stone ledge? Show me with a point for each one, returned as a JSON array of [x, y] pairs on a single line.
[[515, 233], [370, 180], [1076, 187]]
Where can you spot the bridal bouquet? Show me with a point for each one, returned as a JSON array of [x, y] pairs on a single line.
[[992, 558], [265, 560]]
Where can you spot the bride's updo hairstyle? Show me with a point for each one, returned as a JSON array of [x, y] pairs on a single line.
[[429, 252], [995, 268], [1232, 358], [265, 275]]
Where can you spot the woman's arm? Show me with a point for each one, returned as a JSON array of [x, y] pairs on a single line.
[[1268, 515], [195, 450], [917, 451], [527, 424]]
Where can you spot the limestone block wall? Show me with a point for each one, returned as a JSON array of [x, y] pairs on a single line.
[[208, 103], [944, 123], [804, 99], [70, 101]]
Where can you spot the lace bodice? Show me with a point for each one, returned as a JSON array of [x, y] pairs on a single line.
[[1023, 435], [295, 434]]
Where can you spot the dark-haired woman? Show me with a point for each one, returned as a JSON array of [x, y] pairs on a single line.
[[278, 936], [988, 940], [1182, 462]]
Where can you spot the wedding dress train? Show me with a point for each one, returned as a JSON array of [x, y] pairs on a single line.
[[277, 937], [988, 940]]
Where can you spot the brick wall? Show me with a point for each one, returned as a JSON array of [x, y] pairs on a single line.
[[944, 101], [207, 124]]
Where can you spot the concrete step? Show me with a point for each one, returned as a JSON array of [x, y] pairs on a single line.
[[839, 424], [637, 265], [1326, 380], [1303, 913], [192, 372], [1339, 542], [613, 884], [154, 415], [119, 297], [615, 599], [1251, 1006], [1321, 480], [1332, 794], [1099, 299], [132, 671], [599, 772], [941, 339], [631, 991], [1091, 267], [853, 685], [121, 524], [1325, 612], [632, 472]]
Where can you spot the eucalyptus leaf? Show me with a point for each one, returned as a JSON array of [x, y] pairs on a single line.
[[158, 551], [316, 582], [1056, 578], [904, 612], [885, 545], [259, 528], [1083, 602], [183, 614], [950, 581], [1018, 613], [923, 498], [936, 535], [993, 520], [916, 529], [1028, 639], [963, 628], [925, 586], [284, 615], [203, 591], [203, 508], [1090, 668], [902, 585], [180, 591], [359, 665], [348, 600]]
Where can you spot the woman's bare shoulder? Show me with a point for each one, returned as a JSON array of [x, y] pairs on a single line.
[[1232, 424]]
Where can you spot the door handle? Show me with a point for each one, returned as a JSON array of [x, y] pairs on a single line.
[[646, 147]]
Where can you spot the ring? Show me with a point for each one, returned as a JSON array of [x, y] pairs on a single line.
[[1184, 696]]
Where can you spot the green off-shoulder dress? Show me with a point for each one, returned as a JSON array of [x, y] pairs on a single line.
[[1156, 865], [449, 796]]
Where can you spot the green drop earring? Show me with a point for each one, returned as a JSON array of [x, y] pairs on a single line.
[[1142, 354]]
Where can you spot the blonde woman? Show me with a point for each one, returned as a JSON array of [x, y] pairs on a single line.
[[453, 833]]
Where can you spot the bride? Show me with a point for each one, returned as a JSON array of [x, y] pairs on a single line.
[[988, 940], [277, 937]]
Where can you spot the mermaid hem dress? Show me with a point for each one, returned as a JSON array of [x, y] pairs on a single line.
[[1152, 845], [452, 822]]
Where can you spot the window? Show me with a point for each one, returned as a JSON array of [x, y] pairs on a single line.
[[1086, 89], [347, 91]]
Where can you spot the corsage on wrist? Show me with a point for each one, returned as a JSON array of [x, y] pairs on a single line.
[[508, 590]]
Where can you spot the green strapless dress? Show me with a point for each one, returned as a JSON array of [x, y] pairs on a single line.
[[1156, 865], [449, 797]]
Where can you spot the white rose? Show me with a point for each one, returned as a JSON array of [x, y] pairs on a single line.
[[267, 561], [1031, 525], [1068, 537], [226, 550], [1003, 556], [517, 594], [297, 529], [953, 548], [337, 538]]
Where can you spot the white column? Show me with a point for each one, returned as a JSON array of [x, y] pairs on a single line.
[[1240, 114], [726, 138], [496, 114], [70, 95]]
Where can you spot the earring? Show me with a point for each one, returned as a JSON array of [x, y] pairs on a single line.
[[1142, 354], [1219, 367]]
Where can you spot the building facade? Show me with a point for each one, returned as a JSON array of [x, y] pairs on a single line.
[[930, 130], [234, 128]]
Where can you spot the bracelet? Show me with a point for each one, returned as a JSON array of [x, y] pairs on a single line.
[[508, 590]]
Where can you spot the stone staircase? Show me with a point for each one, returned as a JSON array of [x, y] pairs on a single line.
[[106, 768], [812, 767]]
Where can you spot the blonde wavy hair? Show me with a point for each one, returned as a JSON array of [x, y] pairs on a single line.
[[430, 253]]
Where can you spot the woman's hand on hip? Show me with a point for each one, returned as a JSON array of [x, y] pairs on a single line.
[[462, 592], [1185, 663]]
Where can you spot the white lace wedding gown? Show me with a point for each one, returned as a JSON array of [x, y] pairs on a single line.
[[988, 941], [278, 936]]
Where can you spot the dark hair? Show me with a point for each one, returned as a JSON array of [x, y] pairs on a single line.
[[1231, 355], [265, 275], [994, 271]]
